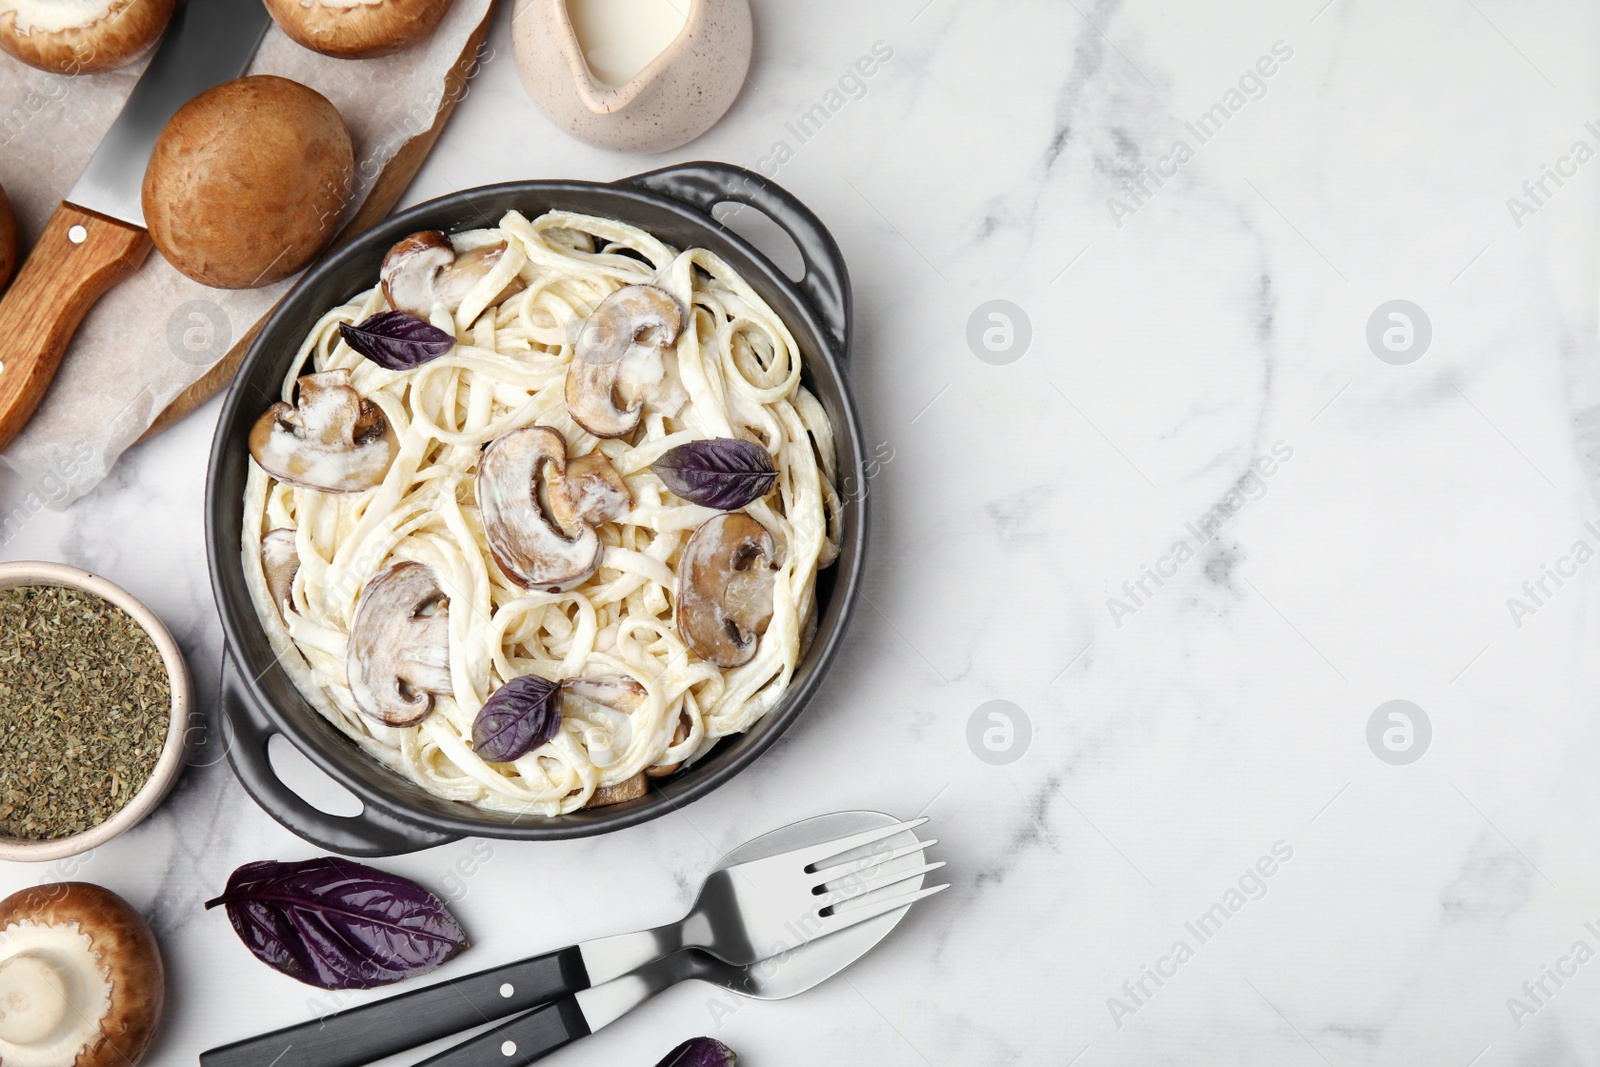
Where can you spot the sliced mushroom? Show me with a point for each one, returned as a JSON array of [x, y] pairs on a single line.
[[398, 656], [590, 490], [280, 560], [423, 272], [619, 355], [81, 978], [331, 439], [725, 580], [529, 543], [627, 789], [679, 736]]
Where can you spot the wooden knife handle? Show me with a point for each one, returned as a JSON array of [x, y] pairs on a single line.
[[76, 260]]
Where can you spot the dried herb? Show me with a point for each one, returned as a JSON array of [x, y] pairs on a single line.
[[85, 704], [336, 924], [397, 340], [725, 473]]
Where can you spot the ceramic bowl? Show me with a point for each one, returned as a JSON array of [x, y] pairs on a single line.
[[169, 766]]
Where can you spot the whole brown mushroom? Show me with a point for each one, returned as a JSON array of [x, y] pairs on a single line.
[[248, 182], [81, 979], [84, 37], [357, 29], [8, 241]]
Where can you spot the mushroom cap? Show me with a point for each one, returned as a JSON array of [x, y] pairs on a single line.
[[357, 29], [87, 971], [398, 655], [423, 272], [280, 561], [8, 240], [530, 546], [724, 595], [248, 182], [330, 439], [620, 348], [82, 37]]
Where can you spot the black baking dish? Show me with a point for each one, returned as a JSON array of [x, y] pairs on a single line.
[[258, 697]]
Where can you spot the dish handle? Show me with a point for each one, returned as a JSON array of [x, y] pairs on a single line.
[[371, 833], [706, 184]]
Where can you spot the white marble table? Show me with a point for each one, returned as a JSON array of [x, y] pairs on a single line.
[[1192, 726]]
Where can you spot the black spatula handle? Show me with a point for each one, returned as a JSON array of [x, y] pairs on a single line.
[[360, 1035], [522, 1040]]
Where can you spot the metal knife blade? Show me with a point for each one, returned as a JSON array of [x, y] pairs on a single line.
[[207, 43]]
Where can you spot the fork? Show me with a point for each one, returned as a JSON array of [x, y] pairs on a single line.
[[745, 912]]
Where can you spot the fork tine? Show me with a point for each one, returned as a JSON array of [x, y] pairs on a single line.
[[828, 849], [843, 920], [866, 863], [856, 892]]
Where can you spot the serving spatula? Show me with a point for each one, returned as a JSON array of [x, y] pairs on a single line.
[[97, 237], [791, 968]]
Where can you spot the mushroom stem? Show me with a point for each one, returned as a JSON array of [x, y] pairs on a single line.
[[33, 1000]]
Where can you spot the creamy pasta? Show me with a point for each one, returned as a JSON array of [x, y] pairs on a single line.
[[734, 372]]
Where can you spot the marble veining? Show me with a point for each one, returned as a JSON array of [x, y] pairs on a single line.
[[1148, 756]]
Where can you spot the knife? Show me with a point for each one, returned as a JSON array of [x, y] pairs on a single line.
[[97, 237]]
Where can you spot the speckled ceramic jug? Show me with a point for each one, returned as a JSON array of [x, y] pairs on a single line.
[[673, 99]]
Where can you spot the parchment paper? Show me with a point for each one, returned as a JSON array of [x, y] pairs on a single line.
[[156, 333]]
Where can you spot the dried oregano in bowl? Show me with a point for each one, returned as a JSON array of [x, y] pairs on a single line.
[[85, 708]]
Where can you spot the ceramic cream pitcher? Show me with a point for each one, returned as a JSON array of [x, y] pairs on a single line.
[[633, 75]]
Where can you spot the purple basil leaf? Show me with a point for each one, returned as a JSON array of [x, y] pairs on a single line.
[[336, 924], [397, 340], [723, 472], [700, 1052], [519, 717]]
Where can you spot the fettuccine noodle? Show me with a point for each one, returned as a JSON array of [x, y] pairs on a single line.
[[739, 369]]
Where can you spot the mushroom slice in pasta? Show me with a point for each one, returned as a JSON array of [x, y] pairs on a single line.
[[517, 473], [679, 736], [332, 439], [280, 561], [627, 789], [398, 656], [423, 272], [620, 350], [725, 585]]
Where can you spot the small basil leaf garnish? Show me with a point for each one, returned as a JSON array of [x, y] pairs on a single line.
[[517, 718], [700, 1052], [397, 340], [723, 472], [336, 924]]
